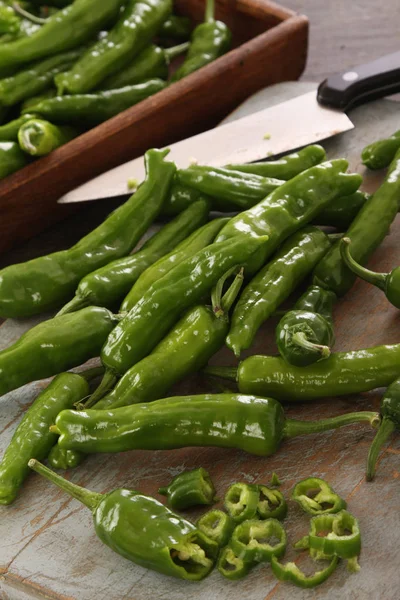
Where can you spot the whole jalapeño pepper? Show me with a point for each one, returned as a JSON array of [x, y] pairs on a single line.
[[135, 28], [171, 545], [46, 282], [208, 41]]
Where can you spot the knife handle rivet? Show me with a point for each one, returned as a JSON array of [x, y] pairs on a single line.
[[350, 76]]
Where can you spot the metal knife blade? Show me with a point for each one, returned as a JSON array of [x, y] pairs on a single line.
[[271, 131]]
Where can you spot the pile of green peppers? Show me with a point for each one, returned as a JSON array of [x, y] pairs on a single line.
[[70, 66], [158, 312]]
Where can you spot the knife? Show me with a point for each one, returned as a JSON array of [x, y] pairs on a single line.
[[293, 124]]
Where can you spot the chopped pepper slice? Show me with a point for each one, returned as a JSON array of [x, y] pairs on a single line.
[[189, 488], [291, 572], [216, 525], [324, 501], [241, 501], [258, 541], [231, 566], [275, 480], [271, 504]]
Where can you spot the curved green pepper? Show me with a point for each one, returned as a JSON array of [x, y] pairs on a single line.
[[342, 374], [316, 497], [274, 283], [171, 545], [51, 347], [38, 138], [32, 438], [11, 159], [30, 102], [366, 232], [305, 334], [9, 131], [241, 501], [380, 154], [253, 424], [389, 283], [271, 504], [160, 307], [64, 30], [138, 23], [216, 525], [150, 63], [342, 211], [97, 107], [291, 572], [258, 541], [176, 27], [390, 413], [36, 78], [208, 41], [231, 566], [108, 285], [190, 488], [48, 281]]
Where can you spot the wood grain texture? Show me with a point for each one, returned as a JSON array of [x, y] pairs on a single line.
[[270, 45]]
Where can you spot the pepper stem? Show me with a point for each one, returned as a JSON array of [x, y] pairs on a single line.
[[73, 305], [300, 339], [171, 53], [27, 15], [385, 430], [232, 293], [216, 293], [224, 372], [378, 279], [294, 428], [89, 499], [107, 383], [210, 11]]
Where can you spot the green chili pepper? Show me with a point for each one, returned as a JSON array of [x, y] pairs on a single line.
[[258, 541], [275, 480], [216, 525], [190, 488], [185, 350], [51, 347], [305, 334], [171, 545], [291, 572], [32, 438], [64, 30], [274, 283], [30, 102], [380, 154], [389, 283], [35, 78], [366, 232], [291, 206], [38, 138], [151, 63], [11, 159], [208, 41], [9, 131], [231, 186], [135, 28], [255, 425], [180, 198], [176, 28], [231, 566], [59, 458], [316, 497], [160, 307], [48, 281], [287, 166], [9, 20], [241, 501], [341, 537], [272, 504], [390, 413], [342, 211], [92, 109], [342, 374], [108, 285]]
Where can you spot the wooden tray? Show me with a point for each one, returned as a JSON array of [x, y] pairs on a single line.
[[269, 46]]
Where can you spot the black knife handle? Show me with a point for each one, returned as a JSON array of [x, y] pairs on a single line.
[[376, 79]]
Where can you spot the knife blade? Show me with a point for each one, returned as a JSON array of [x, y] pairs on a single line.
[[292, 124]]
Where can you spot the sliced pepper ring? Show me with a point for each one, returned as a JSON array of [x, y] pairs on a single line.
[[324, 501], [241, 501], [216, 525], [258, 541], [291, 572], [190, 488], [231, 566], [272, 504]]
